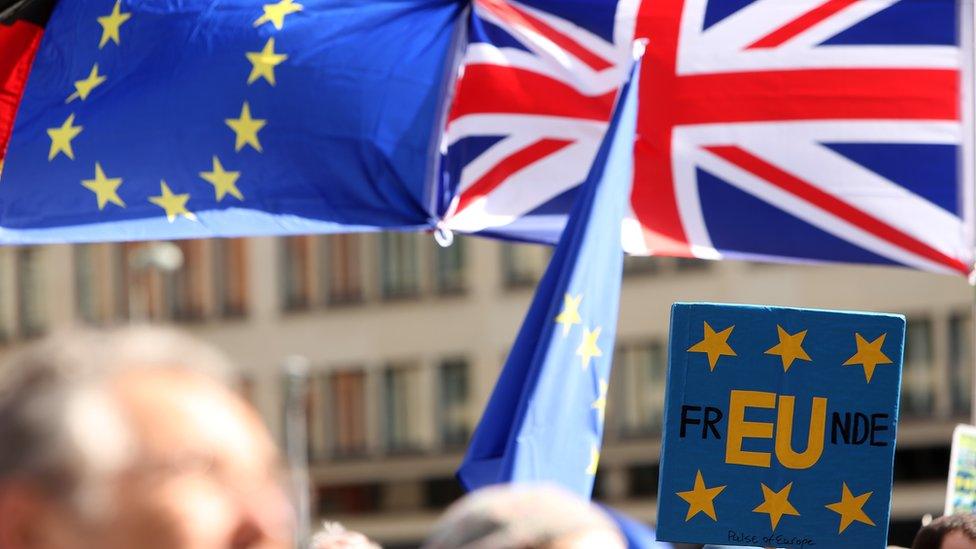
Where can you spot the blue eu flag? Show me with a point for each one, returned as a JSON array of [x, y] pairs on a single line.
[[544, 421], [161, 119]]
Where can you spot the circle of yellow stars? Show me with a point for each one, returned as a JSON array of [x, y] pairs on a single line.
[[245, 127], [775, 503], [715, 344], [588, 349]]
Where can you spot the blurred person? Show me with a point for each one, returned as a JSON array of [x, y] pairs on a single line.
[[948, 532], [132, 439], [524, 517], [335, 536]]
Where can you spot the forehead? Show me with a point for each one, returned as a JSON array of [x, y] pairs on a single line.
[[957, 540], [171, 410]]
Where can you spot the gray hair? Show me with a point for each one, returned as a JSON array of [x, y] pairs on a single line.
[[516, 516], [334, 535], [58, 427]]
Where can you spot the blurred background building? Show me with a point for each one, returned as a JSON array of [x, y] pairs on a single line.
[[405, 339]]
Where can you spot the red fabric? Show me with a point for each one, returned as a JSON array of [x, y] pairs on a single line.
[[18, 42]]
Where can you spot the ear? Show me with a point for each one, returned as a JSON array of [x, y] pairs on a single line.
[[24, 511]]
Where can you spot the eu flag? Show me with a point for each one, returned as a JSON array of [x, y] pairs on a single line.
[[161, 119], [544, 421]]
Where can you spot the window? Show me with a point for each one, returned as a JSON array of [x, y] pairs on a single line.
[[691, 264], [30, 292], [449, 264], [348, 413], [453, 402], [296, 271], [401, 392], [960, 364], [342, 269], [636, 264], [185, 288], [524, 264], [638, 395], [917, 392], [399, 265], [8, 289], [87, 292], [230, 277]]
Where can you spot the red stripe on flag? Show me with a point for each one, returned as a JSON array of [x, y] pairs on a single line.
[[18, 44], [830, 203], [514, 163], [653, 196], [487, 89], [801, 24], [816, 94], [516, 17]]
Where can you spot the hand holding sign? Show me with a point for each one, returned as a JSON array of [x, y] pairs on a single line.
[[779, 426]]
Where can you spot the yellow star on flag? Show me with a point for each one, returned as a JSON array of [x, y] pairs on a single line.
[[224, 182], [263, 63], [868, 355], [174, 204], [246, 129], [570, 314], [850, 508], [600, 404], [589, 349], [776, 504], [594, 460], [715, 345], [276, 13], [85, 87], [111, 24], [789, 348], [106, 189], [701, 499], [61, 138]]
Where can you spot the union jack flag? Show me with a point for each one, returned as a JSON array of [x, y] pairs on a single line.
[[787, 130]]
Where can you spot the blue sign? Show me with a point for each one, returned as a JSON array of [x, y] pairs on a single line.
[[779, 427]]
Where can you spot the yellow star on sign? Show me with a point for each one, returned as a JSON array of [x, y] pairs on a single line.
[[246, 129], [701, 499], [600, 404], [868, 355], [174, 204], [61, 138], [111, 24], [224, 182], [276, 13], [263, 63], [85, 87], [589, 348], [715, 345], [570, 314], [776, 504], [106, 189], [789, 348], [594, 460], [850, 508]]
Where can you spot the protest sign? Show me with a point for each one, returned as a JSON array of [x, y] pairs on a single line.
[[961, 488], [779, 426]]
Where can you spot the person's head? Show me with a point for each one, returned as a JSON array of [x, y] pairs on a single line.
[[524, 517], [335, 536], [132, 438], [948, 532]]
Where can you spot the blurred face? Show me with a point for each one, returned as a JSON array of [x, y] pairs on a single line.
[[205, 475]]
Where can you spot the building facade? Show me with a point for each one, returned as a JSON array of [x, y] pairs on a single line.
[[405, 339]]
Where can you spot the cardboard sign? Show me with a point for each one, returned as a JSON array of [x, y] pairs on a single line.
[[961, 488], [779, 426]]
